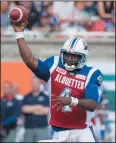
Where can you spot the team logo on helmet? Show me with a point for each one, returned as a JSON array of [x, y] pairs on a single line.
[[85, 46]]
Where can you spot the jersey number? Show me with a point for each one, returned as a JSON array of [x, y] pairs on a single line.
[[66, 92]]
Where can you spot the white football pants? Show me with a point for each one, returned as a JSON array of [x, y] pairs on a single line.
[[74, 135]]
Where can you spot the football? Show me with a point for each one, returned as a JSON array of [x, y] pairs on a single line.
[[18, 14]]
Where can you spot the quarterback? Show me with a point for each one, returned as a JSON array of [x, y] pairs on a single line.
[[72, 84]]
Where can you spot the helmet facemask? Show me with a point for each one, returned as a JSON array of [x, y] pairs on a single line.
[[72, 61]]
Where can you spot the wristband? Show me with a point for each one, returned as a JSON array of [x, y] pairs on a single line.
[[74, 101], [19, 35]]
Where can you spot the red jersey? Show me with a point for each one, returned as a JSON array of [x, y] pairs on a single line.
[[82, 84]]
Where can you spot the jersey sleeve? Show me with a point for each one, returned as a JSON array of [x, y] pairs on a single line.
[[92, 88], [43, 69]]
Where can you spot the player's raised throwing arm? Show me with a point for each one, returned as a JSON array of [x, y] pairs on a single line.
[[24, 50]]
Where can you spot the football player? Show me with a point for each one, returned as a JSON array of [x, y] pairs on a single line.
[[73, 87]]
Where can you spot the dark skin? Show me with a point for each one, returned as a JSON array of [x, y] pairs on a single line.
[[32, 63], [24, 50], [86, 104]]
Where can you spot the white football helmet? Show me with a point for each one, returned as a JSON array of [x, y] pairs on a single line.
[[75, 47]]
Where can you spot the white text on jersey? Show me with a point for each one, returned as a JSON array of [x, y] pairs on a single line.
[[69, 81]]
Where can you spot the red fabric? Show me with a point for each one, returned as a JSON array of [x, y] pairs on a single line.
[[77, 118], [93, 121], [98, 26]]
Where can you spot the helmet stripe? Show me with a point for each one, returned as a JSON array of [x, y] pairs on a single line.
[[73, 42], [70, 43], [76, 43]]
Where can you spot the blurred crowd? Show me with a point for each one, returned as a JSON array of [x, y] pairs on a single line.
[[24, 118], [49, 16]]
